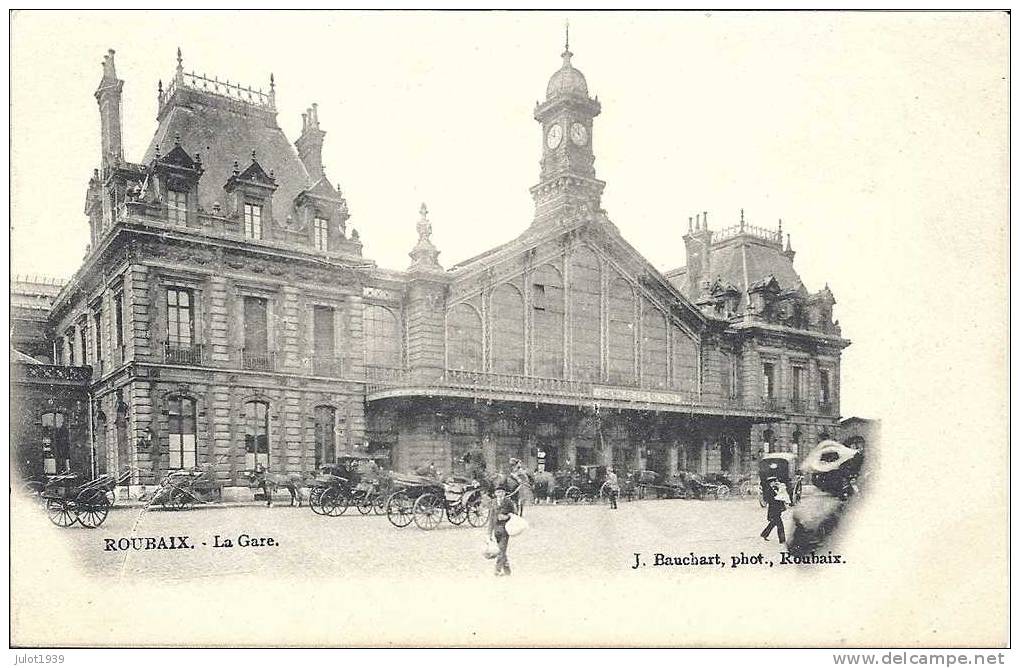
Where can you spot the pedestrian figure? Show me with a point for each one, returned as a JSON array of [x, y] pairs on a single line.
[[498, 517], [777, 500], [519, 480], [612, 487]]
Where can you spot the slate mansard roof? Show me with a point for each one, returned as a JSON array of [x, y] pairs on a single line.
[[223, 130]]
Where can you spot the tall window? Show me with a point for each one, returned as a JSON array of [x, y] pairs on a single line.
[[323, 331], [548, 313], [798, 383], [325, 436], [180, 318], [183, 444], [382, 337], [70, 348], [585, 316], [256, 434], [118, 317], [253, 221], [620, 340], [256, 332], [98, 318], [653, 347], [825, 388], [55, 442], [507, 330], [177, 207], [321, 226], [769, 374], [734, 367], [83, 336], [464, 338]]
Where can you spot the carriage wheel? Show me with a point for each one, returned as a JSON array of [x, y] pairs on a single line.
[[335, 502], [93, 507], [477, 512], [365, 503], [573, 494], [457, 513], [746, 488], [399, 510], [761, 499], [722, 491], [379, 504], [315, 500], [61, 512], [176, 500], [428, 511]]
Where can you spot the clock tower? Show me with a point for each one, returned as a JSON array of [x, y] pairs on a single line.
[[567, 182]]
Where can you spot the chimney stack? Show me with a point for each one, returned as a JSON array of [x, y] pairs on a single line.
[[309, 144], [108, 96]]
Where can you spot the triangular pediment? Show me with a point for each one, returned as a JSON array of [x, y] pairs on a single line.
[[766, 284], [556, 246], [255, 174], [177, 157]]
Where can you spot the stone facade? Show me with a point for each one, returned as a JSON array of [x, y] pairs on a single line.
[[229, 317]]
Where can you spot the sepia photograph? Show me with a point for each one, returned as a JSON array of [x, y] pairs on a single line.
[[502, 329]]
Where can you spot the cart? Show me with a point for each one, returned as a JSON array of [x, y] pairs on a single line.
[[187, 488], [67, 501], [350, 481], [424, 501], [458, 498]]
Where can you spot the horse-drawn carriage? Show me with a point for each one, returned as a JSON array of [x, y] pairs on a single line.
[[186, 487], [783, 467], [69, 500], [351, 481], [425, 500]]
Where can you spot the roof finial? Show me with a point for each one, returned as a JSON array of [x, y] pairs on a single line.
[[780, 233], [177, 139], [566, 45], [179, 75], [741, 220], [705, 219], [253, 155], [690, 224]]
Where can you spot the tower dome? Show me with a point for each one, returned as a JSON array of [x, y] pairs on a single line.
[[567, 80]]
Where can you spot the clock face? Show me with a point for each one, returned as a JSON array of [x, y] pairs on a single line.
[[555, 136], [578, 134]]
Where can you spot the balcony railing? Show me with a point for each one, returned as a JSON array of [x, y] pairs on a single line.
[[515, 382], [826, 408], [258, 361], [327, 365], [771, 403], [181, 354], [797, 405], [52, 372]]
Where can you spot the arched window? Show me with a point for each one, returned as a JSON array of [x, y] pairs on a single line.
[[685, 361], [256, 434], [620, 346], [382, 337], [585, 315], [507, 330], [325, 435], [653, 347], [464, 338], [182, 432], [55, 442], [547, 329]]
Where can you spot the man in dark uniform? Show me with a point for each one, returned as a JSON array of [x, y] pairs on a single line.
[[502, 508], [774, 514]]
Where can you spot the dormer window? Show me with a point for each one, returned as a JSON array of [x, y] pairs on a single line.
[[253, 221], [321, 227], [177, 207]]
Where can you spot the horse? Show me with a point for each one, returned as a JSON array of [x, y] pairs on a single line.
[[270, 482], [544, 486]]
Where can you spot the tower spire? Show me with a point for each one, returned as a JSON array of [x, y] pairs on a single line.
[[566, 44]]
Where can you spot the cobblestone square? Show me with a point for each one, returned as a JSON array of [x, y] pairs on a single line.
[[563, 539]]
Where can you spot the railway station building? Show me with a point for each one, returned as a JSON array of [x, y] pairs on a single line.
[[227, 313]]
